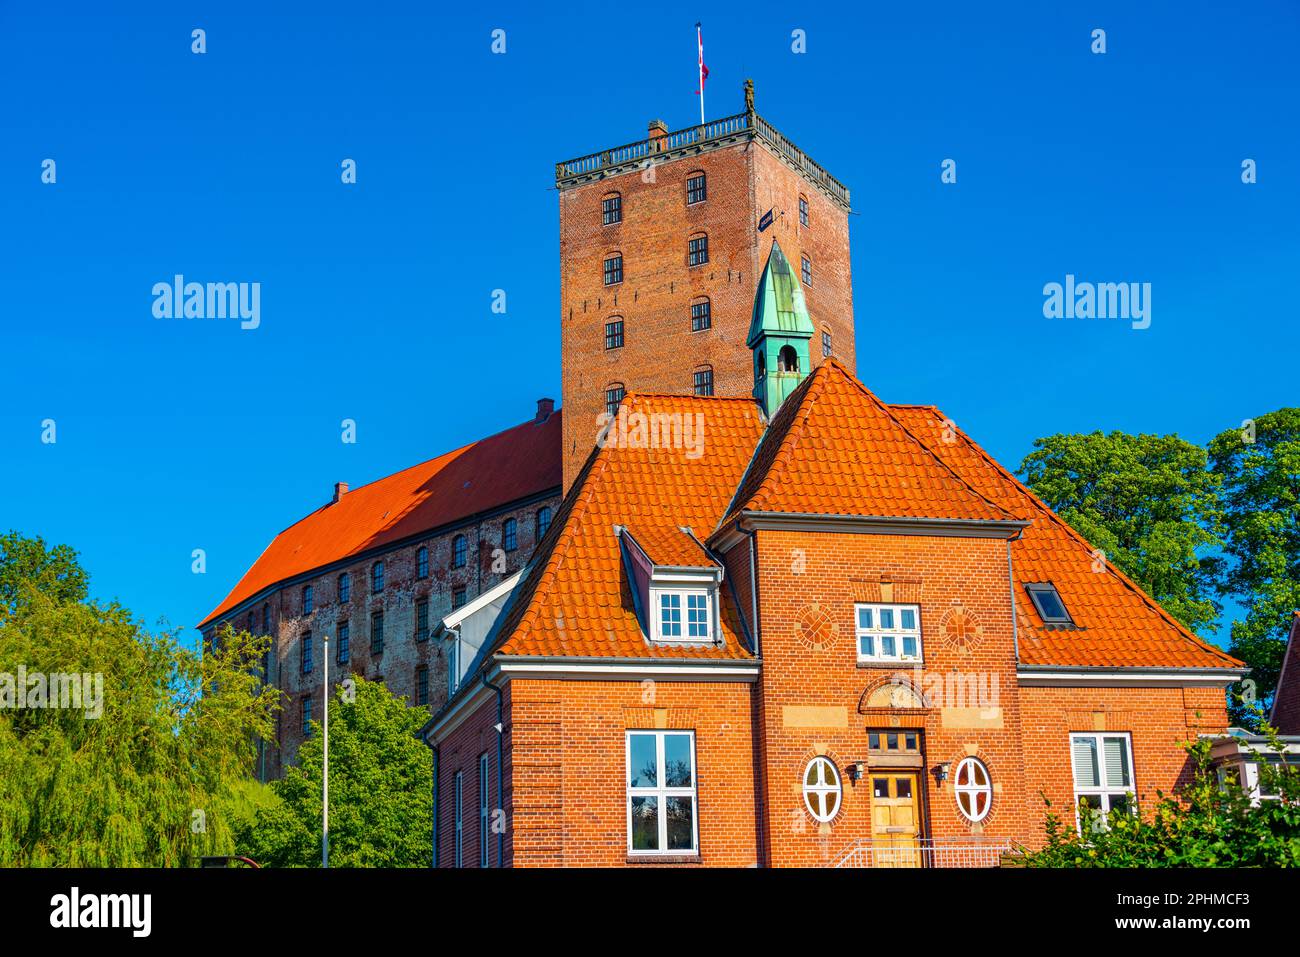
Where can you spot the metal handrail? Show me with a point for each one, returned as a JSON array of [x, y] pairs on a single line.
[[712, 131], [924, 852]]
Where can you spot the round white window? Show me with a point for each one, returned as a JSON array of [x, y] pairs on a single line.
[[974, 789], [821, 789]]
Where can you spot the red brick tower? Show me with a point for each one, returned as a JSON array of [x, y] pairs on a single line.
[[662, 243]]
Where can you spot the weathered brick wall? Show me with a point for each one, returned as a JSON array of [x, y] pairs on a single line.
[[401, 654], [815, 692], [1159, 721], [660, 352]]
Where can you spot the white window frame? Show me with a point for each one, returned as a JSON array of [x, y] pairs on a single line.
[[826, 789], [460, 829], [685, 638], [1104, 791], [484, 859], [973, 789], [661, 793], [898, 632]]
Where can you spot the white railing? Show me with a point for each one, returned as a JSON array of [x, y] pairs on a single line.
[[924, 852]]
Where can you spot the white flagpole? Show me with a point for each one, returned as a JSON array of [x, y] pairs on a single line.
[[699, 39], [325, 783]]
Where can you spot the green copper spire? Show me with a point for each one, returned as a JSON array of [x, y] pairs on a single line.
[[778, 333]]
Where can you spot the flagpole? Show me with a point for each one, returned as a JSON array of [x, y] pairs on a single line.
[[325, 781], [699, 40]]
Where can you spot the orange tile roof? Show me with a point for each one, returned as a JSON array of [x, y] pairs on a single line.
[[518, 463], [1119, 624], [835, 449], [575, 600]]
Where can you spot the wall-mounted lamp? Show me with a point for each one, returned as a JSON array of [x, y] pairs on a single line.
[[941, 772], [857, 771]]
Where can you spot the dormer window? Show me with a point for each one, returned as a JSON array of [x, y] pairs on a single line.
[[1048, 604], [683, 614]]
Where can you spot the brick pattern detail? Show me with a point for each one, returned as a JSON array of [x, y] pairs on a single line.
[[660, 352]]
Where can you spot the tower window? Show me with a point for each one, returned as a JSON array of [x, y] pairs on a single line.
[[696, 189], [787, 360], [421, 562], [701, 316], [614, 334], [826, 343], [697, 251], [704, 381], [613, 396], [459, 547], [614, 269], [803, 210], [805, 270], [510, 535], [543, 521], [611, 210]]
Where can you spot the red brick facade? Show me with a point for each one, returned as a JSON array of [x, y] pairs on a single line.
[[660, 352]]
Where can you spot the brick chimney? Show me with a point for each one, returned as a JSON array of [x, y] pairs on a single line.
[[340, 489], [544, 409], [657, 131]]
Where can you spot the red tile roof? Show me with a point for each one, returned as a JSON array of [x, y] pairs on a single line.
[[835, 449], [575, 600], [515, 464], [1119, 625]]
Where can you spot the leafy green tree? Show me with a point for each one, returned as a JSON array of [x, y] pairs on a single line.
[[381, 787], [28, 568], [1208, 824], [151, 772], [1149, 502], [1259, 466]]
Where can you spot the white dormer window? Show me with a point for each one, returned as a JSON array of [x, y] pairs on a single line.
[[683, 614]]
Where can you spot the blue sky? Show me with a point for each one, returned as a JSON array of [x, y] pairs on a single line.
[[376, 296]]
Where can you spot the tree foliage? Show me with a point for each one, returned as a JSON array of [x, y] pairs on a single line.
[[381, 787], [158, 777], [1149, 502], [1208, 824], [1259, 467]]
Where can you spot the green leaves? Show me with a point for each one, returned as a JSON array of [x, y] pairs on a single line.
[[157, 779], [381, 787], [1149, 502]]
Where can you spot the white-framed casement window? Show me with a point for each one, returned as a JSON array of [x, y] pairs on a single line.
[[460, 820], [682, 614], [1103, 774], [822, 789], [661, 816], [888, 632], [973, 788], [483, 810]]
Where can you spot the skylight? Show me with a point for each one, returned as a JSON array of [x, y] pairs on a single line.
[[1048, 604]]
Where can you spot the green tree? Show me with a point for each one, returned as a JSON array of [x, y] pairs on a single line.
[[1259, 467], [381, 786], [1149, 502], [152, 772], [28, 568]]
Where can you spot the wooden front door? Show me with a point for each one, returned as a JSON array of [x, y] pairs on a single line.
[[895, 819]]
